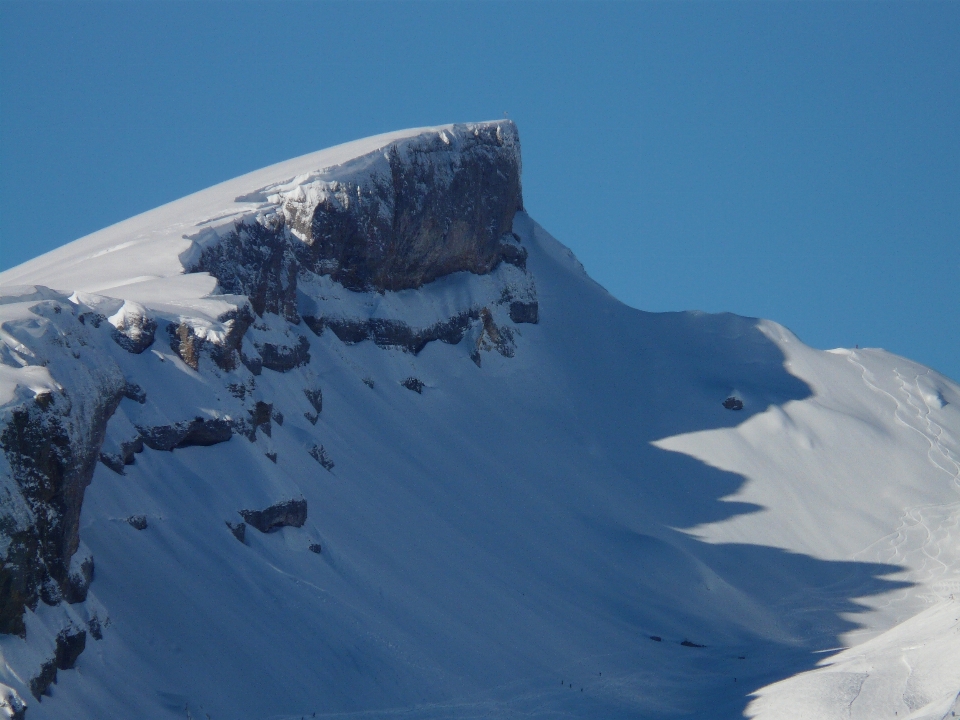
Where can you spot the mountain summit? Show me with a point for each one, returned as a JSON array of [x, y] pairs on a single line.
[[353, 434]]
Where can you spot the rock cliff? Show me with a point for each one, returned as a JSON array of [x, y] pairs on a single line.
[[406, 245], [437, 204]]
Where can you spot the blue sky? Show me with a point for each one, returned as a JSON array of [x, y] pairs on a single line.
[[797, 161]]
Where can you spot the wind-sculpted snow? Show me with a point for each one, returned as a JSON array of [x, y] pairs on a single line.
[[421, 482]]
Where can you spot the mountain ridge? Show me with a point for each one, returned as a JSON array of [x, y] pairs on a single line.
[[358, 526]]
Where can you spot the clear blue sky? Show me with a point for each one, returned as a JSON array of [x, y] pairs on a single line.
[[797, 161]]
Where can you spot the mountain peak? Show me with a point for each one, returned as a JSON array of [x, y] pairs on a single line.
[[368, 191], [354, 434]]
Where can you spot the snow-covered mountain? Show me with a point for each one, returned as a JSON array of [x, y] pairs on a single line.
[[353, 436]]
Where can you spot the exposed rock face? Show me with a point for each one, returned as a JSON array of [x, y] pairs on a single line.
[[256, 259], [292, 513], [283, 357], [124, 455], [239, 530], [69, 646], [434, 205], [79, 578], [70, 643], [260, 416], [525, 312], [133, 328], [492, 337], [415, 384], [396, 219], [12, 704], [95, 627], [395, 333], [50, 447], [320, 455], [388, 333], [225, 352], [438, 205], [314, 396], [199, 431]]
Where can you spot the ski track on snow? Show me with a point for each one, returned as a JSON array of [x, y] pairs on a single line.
[[926, 535]]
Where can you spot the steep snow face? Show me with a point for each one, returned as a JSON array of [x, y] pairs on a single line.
[[432, 483]]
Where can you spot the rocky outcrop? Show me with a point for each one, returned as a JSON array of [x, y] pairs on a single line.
[[407, 216], [431, 206], [199, 431], [395, 333], [525, 312], [261, 415], [289, 513], [70, 643], [11, 704], [50, 446], [314, 396], [320, 455], [238, 530], [399, 218], [257, 260], [281, 357], [492, 337], [421, 209], [133, 329], [79, 578], [413, 383], [388, 333], [124, 455], [190, 345]]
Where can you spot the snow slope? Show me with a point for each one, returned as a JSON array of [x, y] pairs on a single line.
[[581, 529]]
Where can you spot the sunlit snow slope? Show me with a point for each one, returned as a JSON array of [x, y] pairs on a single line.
[[563, 520]]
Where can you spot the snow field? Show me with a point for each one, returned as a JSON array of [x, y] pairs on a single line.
[[509, 541]]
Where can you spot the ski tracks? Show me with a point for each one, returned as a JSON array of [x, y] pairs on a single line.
[[926, 541]]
